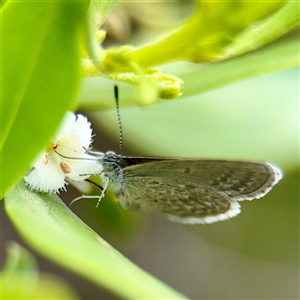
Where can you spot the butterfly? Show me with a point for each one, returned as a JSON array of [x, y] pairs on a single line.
[[189, 191]]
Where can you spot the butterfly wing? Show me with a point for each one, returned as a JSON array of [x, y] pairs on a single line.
[[184, 202], [240, 180], [191, 191]]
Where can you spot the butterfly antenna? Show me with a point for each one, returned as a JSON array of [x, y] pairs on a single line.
[[116, 92]]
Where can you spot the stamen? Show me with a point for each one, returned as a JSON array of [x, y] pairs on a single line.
[[65, 168]]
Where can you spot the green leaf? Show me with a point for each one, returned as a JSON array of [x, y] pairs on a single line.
[[41, 73], [52, 229], [21, 279]]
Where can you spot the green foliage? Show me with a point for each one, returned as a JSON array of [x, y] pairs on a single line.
[[20, 279], [41, 73], [42, 45], [207, 34], [213, 27], [197, 79]]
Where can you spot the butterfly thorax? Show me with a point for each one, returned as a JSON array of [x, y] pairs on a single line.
[[112, 169]]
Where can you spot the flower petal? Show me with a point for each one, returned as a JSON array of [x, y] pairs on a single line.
[[46, 177]]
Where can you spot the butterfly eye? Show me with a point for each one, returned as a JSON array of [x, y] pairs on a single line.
[[110, 153]]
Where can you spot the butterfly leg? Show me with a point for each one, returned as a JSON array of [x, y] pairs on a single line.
[[105, 180], [103, 189], [83, 197]]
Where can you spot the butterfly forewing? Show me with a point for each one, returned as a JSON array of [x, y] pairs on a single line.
[[238, 179]]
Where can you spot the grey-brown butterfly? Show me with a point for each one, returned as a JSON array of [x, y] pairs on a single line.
[[189, 191]]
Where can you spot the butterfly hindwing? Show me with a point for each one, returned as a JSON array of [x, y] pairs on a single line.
[[180, 201]]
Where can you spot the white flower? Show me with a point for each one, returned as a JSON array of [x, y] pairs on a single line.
[[65, 157]]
